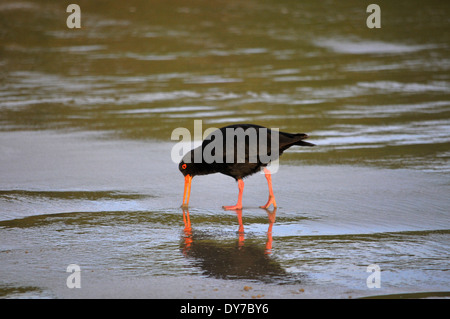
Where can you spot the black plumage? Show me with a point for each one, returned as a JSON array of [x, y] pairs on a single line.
[[238, 150]]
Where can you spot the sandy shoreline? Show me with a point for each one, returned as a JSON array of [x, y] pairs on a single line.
[[191, 288], [332, 222]]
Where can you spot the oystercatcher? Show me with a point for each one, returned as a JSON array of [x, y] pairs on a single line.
[[238, 150]]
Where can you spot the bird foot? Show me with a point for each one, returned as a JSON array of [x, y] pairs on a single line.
[[235, 207], [270, 202]]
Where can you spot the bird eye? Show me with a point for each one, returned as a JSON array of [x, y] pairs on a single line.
[[183, 166]]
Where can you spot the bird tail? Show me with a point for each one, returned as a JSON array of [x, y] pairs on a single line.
[[301, 137]]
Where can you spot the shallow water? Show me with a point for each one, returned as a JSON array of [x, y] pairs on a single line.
[[86, 175]]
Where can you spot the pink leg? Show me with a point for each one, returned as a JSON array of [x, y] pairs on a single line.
[[271, 195], [239, 202]]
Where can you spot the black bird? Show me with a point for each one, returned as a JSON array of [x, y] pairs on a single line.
[[238, 151]]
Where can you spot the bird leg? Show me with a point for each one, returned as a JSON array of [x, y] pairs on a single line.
[[239, 202], [271, 199]]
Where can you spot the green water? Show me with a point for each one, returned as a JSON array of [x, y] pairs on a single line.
[[86, 117]]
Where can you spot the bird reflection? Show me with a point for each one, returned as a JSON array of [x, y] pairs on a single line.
[[232, 259]]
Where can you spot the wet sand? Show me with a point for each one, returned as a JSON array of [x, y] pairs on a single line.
[[113, 208]]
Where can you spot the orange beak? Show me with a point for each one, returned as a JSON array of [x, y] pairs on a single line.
[[187, 190]]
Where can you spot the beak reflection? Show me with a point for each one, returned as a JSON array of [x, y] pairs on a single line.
[[187, 191]]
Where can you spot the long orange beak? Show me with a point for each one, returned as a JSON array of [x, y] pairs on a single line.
[[187, 190]]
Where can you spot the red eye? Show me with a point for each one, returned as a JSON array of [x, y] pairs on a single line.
[[183, 166]]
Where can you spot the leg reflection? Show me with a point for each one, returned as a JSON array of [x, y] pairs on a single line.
[[271, 215], [230, 259], [241, 233], [241, 229], [187, 231]]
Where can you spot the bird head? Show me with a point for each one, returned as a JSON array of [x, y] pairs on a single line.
[[186, 168], [187, 165]]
